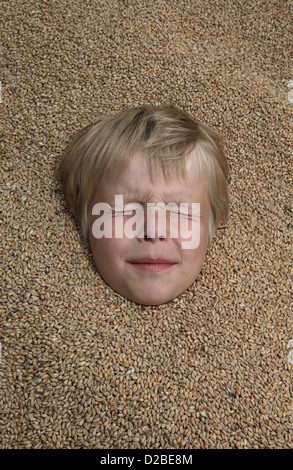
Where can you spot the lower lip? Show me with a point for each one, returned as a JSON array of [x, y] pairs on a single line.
[[152, 267]]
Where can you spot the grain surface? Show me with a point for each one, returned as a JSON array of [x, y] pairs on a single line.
[[81, 366]]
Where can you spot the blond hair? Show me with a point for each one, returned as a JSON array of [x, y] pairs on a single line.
[[165, 134]]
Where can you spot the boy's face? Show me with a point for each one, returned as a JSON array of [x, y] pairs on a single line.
[[154, 268]]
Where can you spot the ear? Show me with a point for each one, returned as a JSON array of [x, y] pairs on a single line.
[[222, 224]]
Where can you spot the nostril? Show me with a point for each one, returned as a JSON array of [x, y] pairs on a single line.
[[147, 237]]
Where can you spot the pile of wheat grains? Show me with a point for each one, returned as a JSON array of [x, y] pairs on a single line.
[[81, 366]]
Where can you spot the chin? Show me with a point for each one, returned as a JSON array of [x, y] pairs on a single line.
[[152, 302], [151, 299]]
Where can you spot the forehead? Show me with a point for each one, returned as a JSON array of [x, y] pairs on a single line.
[[136, 184]]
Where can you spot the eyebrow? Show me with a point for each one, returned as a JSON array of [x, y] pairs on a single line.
[[141, 197]]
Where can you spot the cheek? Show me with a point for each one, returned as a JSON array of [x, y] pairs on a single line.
[[107, 249], [193, 235], [193, 255]]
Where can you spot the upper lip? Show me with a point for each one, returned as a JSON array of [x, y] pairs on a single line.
[[152, 260]]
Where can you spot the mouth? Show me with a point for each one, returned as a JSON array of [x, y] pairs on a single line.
[[152, 264]]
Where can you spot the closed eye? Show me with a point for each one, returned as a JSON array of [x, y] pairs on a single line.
[[128, 210], [189, 215]]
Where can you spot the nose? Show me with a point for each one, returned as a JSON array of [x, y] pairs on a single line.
[[155, 224]]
